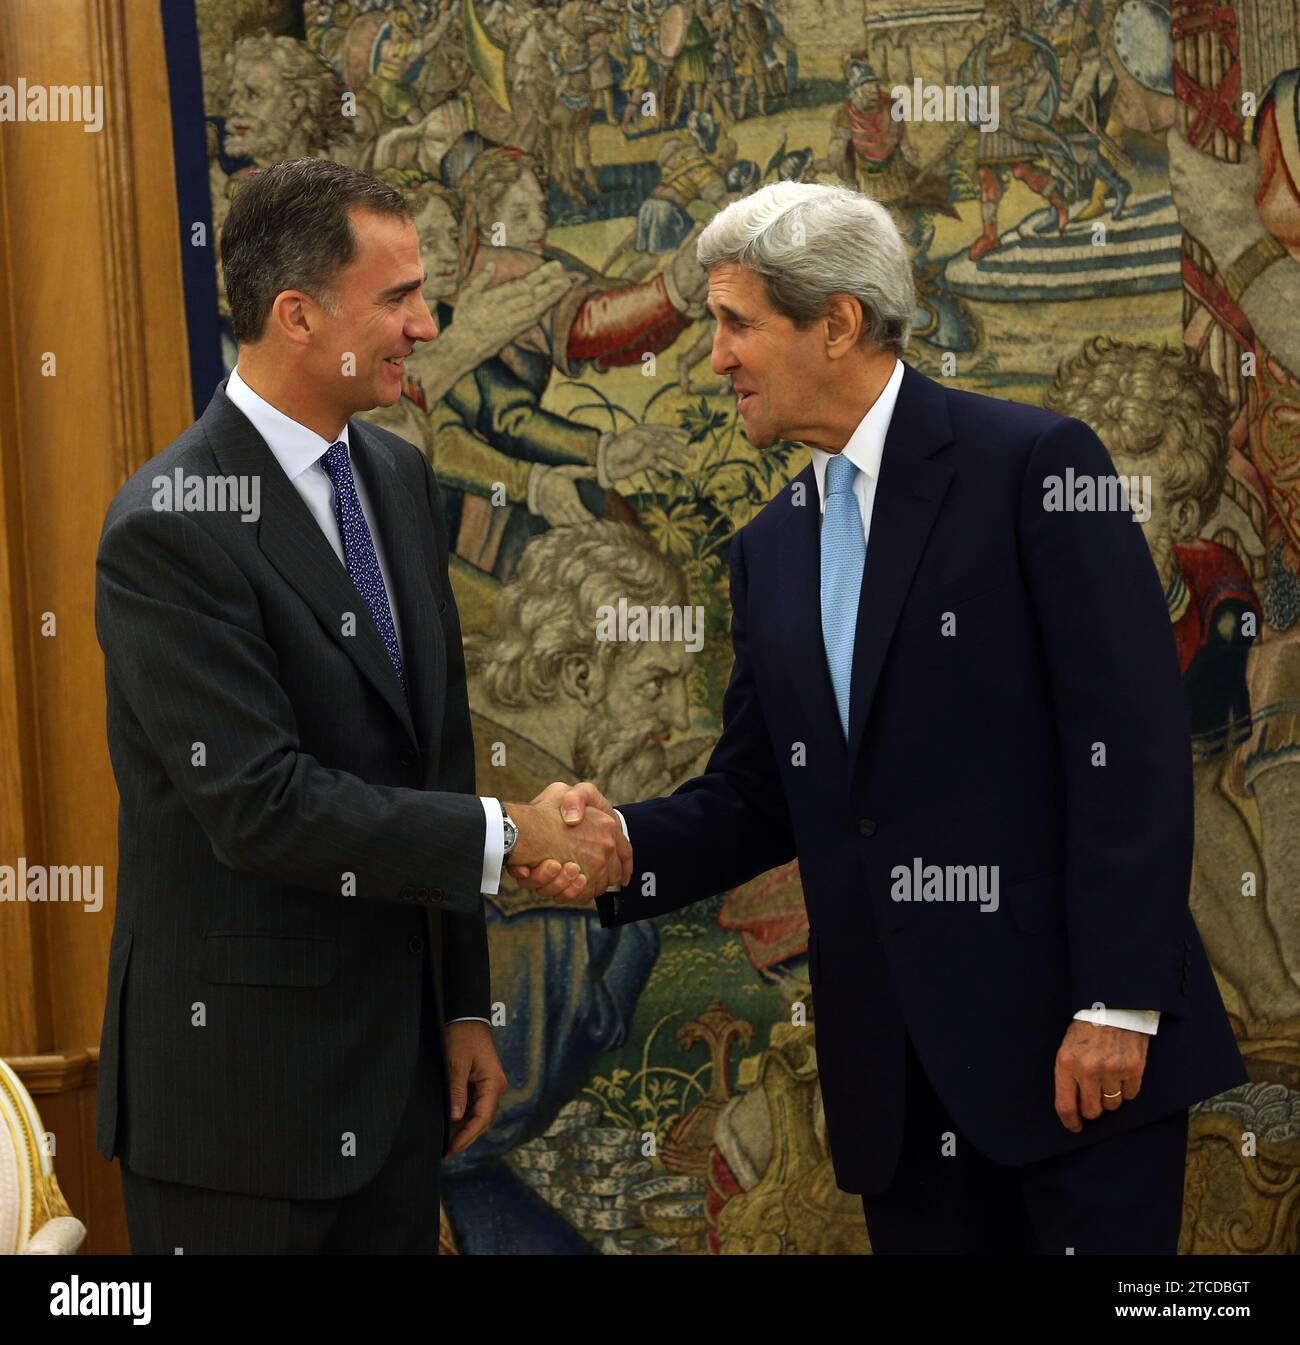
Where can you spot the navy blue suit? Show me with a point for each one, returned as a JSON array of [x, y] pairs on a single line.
[[968, 744]]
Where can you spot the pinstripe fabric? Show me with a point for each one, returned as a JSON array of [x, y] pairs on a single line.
[[395, 1212], [261, 1027]]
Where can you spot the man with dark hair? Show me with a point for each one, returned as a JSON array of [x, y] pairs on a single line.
[[296, 1027]]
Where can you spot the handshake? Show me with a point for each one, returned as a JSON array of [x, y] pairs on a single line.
[[570, 847]]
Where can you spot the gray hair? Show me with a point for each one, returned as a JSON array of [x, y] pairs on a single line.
[[810, 240]]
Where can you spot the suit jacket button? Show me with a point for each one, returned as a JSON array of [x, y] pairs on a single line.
[[417, 944], [867, 827], [408, 758]]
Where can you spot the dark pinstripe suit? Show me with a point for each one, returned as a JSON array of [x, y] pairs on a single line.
[[261, 1028]]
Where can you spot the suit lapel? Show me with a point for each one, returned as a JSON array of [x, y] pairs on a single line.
[[292, 541], [908, 495], [909, 491]]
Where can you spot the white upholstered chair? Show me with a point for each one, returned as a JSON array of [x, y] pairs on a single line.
[[34, 1217]]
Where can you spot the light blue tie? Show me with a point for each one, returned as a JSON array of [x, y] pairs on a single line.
[[844, 553]]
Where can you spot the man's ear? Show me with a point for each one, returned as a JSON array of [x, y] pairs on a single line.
[[580, 679], [291, 316], [845, 320]]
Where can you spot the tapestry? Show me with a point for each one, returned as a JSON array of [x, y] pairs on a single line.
[[1089, 190]]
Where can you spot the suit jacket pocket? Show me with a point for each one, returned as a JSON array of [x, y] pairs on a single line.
[[234, 957]]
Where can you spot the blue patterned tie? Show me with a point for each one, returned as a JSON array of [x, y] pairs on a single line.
[[844, 553], [359, 551]]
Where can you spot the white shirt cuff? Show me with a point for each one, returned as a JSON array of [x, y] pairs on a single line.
[[1135, 1020], [614, 887], [494, 847]]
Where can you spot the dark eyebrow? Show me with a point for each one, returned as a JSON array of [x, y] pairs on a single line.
[[393, 291]]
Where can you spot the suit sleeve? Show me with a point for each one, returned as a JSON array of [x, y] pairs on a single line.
[[466, 977], [181, 631], [1122, 729], [723, 827]]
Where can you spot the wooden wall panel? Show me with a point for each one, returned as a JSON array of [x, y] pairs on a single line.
[[89, 271]]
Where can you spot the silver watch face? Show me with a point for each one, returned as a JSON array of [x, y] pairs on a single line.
[[511, 832]]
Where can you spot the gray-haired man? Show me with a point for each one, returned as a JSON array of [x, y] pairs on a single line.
[[960, 709]]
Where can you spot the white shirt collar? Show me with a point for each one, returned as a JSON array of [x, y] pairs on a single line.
[[296, 448], [866, 443]]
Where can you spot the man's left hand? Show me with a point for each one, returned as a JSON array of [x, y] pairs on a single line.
[[1092, 1062], [477, 1081]]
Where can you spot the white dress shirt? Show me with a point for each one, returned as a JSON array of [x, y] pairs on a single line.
[[865, 448], [299, 450]]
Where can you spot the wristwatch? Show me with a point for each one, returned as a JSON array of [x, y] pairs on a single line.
[[511, 831]]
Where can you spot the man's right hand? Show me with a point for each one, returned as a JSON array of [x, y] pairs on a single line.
[[569, 856], [559, 881]]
